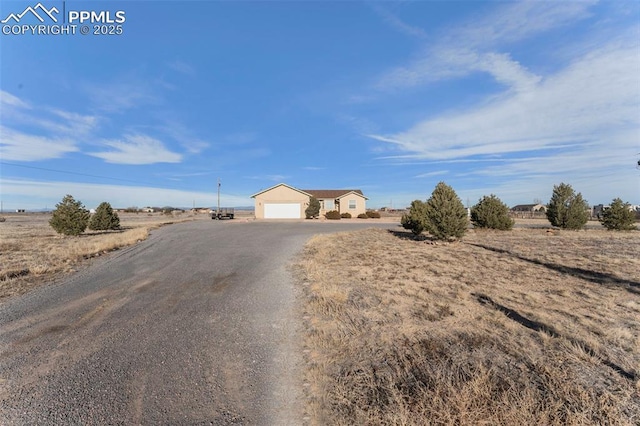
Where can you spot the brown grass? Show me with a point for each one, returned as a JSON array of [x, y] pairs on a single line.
[[522, 327], [31, 252]]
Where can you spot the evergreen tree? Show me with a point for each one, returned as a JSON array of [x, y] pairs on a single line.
[[416, 218], [566, 209], [492, 213], [70, 217], [104, 218], [446, 217], [618, 217], [313, 209]]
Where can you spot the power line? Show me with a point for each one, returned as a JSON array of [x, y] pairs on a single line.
[[72, 173]]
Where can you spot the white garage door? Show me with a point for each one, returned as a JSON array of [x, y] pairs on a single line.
[[282, 211]]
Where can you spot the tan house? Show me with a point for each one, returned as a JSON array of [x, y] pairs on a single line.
[[529, 208], [286, 202]]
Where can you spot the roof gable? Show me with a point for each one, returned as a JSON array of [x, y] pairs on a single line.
[[280, 184]]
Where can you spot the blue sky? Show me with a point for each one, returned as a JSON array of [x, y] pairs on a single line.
[[390, 97]]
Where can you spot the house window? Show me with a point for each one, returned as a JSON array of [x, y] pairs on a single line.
[[352, 204], [329, 204]]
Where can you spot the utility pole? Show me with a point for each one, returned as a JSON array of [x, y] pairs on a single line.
[[218, 211]]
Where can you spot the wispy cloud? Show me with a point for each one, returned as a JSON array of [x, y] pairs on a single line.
[[450, 62], [514, 22], [7, 99], [31, 133], [70, 122], [182, 67], [431, 174], [272, 178], [121, 96], [397, 23], [185, 137], [19, 146], [472, 46], [137, 149], [585, 102]]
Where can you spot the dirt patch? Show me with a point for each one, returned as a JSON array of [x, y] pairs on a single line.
[[520, 327]]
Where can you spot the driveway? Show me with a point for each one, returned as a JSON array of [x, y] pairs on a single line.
[[196, 325]]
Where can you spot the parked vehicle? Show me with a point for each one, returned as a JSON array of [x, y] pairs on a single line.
[[223, 213]]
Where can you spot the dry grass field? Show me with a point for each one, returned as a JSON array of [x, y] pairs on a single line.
[[527, 327], [31, 251]]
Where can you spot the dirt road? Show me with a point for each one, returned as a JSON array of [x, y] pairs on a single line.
[[196, 325]]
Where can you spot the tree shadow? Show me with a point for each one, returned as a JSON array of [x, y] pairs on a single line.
[[408, 235], [585, 274], [540, 326], [91, 233]]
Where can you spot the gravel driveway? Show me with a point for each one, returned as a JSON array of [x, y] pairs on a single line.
[[196, 325]]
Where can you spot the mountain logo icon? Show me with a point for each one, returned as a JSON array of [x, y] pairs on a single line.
[[38, 11]]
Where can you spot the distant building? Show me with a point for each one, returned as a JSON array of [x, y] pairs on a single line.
[[597, 210], [530, 208]]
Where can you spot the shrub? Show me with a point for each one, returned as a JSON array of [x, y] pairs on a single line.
[[491, 213], [70, 217], [373, 214], [363, 216], [3, 219], [345, 215], [415, 219], [566, 209], [313, 210], [104, 218], [446, 217], [618, 217], [333, 215]]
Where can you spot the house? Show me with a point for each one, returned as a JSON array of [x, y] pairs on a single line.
[[286, 202], [529, 208]]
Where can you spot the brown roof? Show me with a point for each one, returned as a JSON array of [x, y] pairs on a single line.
[[331, 193]]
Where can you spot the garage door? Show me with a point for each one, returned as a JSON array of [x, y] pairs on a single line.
[[282, 211]]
